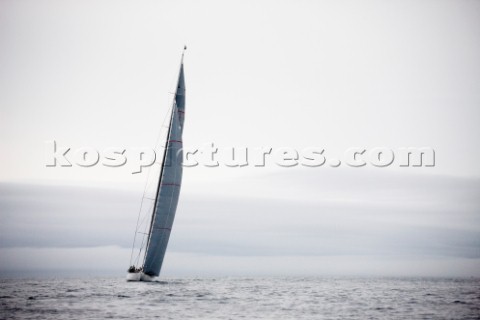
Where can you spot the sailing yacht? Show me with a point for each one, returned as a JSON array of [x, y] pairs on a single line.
[[166, 195]]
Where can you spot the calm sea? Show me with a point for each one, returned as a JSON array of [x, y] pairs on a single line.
[[241, 298]]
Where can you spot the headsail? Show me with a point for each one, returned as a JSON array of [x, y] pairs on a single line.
[[168, 190]]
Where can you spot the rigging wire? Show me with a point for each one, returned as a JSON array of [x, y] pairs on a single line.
[[148, 180]]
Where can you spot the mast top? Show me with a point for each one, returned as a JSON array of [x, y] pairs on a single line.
[[183, 52]]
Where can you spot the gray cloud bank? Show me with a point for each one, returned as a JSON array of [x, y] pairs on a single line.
[[290, 222]]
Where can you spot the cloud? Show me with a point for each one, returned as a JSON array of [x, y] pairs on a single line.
[[387, 216], [113, 260], [63, 216]]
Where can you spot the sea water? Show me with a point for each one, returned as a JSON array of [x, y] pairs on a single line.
[[241, 298]]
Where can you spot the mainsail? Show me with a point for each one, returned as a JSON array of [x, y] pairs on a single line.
[[168, 189]]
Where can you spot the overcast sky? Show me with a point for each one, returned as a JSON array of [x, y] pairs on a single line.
[[297, 74]]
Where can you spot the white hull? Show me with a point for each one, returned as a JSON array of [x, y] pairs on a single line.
[[139, 276]]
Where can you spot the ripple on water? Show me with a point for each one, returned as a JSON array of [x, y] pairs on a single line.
[[241, 298]]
